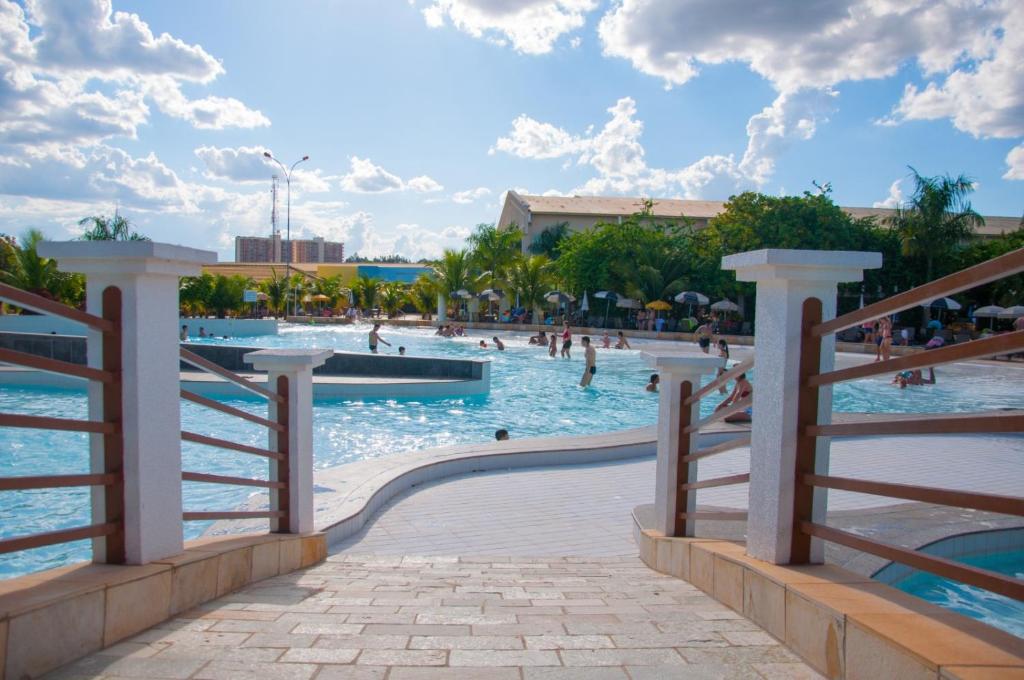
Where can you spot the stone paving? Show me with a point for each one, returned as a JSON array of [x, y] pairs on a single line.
[[410, 618]]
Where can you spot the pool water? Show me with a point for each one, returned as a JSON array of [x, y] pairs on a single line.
[[996, 610], [531, 395]]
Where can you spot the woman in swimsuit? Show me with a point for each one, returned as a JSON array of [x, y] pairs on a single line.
[[723, 351], [883, 351], [740, 391], [566, 341]]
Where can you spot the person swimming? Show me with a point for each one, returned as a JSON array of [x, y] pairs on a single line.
[[622, 343], [498, 343], [652, 386], [606, 340], [914, 377], [553, 345], [483, 345]]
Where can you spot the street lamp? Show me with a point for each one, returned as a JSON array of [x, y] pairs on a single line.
[[288, 209]]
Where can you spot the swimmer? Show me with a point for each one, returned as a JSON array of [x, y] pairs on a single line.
[[652, 386], [566, 341], [483, 345], [498, 343], [740, 391], [553, 345], [915, 377], [375, 338], [622, 343], [590, 357], [606, 340], [501, 435], [184, 333], [401, 351]]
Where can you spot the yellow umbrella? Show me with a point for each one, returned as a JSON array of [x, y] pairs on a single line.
[[659, 305], [321, 297]]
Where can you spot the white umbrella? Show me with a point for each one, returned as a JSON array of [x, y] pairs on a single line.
[[944, 303], [725, 306], [689, 297], [1014, 312], [989, 311], [462, 293], [585, 307], [558, 297], [492, 294]]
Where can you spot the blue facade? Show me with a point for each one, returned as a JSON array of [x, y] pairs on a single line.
[[405, 274]]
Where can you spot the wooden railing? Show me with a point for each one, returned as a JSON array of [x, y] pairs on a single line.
[[278, 457], [809, 428], [108, 516], [686, 467]]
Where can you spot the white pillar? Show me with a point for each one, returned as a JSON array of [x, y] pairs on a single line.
[[673, 370], [442, 308], [297, 366], [147, 274], [785, 278]]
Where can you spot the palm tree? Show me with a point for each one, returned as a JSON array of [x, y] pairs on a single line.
[[39, 275], [422, 294], [365, 290], [549, 241], [103, 228], [493, 251], [276, 288], [392, 297], [530, 278], [452, 272], [194, 293], [331, 287], [657, 276], [937, 219]]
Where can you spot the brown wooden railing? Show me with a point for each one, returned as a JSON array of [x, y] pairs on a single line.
[[279, 459], [110, 515], [809, 428], [686, 475]]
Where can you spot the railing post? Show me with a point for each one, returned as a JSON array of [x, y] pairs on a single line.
[[680, 376], [113, 444], [290, 373], [785, 279], [146, 274], [808, 407]]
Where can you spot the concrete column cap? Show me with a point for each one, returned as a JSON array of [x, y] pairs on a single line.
[[126, 257], [286, 359], [683, 364], [832, 266]]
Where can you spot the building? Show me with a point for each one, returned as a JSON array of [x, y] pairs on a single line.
[[275, 249], [534, 214], [260, 271]]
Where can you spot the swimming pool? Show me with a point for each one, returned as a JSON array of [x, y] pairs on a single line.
[[531, 395]]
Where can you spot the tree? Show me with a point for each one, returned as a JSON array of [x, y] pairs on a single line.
[[228, 294], [493, 250], [331, 287], [365, 290], [659, 275], [937, 220], [452, 272], [195, 292], [530, 278], [26, 269], [422, 294], [103, 228], [548, 242], [392, 297], [276, 289]]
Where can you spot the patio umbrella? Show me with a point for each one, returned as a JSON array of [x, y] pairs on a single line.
[[1014, 312], [609, 297], [492, 295], [659, 306], [989, 311], [558, 297], [691, 298], [585, 307], [321, 297], [462, 293], [944, 303], [725, 306]]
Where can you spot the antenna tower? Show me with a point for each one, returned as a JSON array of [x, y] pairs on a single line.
[[275, 229]]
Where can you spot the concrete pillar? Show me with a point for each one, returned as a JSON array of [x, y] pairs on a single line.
[[147, 274], [442, 308], [673, 370], [297, 366], [785, 278]]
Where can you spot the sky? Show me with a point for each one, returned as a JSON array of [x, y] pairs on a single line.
[[418, 115]]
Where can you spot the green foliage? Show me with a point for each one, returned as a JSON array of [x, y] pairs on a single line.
[[492, 252], [332, 287], [365, 290], [103, 228], [276, 289], [530, 278], [1005, 292], [381, 259], [422, 294], [213, 294], [659, 275], [392, 297], [24, 268], [549, 241], [452, 272]]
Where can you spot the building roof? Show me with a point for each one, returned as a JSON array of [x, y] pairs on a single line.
[[613, 206]]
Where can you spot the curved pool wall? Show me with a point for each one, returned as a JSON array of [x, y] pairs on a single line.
[[999, 550]]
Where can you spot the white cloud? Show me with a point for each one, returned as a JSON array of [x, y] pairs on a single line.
[[792, 116], [365, 177], [617, 155], [423, 185], [248, 164], [531, 26], [470, 195], [209, 113], [1015, 163], [984, 98], [795, 44], [895, 197]]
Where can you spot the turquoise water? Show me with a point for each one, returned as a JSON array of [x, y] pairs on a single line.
[[531, 395], [996, 610]]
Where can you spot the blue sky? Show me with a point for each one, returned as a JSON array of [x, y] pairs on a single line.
[[419, 115]]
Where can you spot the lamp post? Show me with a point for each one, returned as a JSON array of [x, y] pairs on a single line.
[[288, 208]]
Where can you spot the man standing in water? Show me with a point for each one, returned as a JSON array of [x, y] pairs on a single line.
[[590, 357], [375, 338]]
